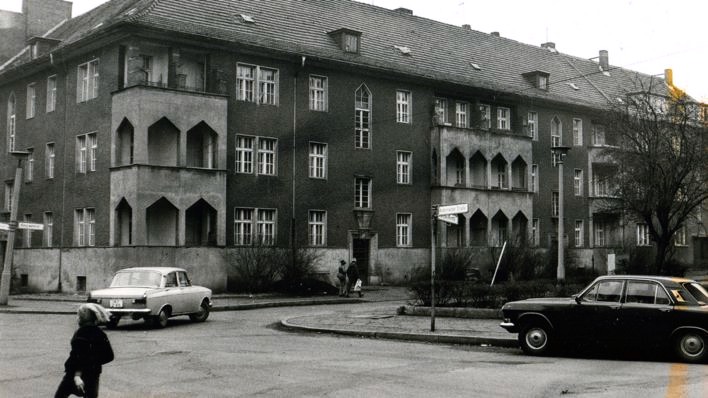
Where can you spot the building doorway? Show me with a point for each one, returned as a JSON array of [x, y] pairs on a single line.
[[361, 250]]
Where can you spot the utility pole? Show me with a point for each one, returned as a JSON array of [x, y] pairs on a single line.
[[10, 247], [559, 153]]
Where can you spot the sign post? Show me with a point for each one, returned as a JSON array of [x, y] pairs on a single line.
[[446, 214]]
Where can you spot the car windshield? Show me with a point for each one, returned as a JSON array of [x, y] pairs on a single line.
[[697, 291], [141, 278]]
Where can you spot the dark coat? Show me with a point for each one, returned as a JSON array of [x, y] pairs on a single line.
[[90, 349], [353, 272]]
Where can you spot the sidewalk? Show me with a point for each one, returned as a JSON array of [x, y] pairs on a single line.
[[382, 322]]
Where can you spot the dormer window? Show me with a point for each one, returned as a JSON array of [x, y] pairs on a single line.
[[349, 40], [538, 78], [41, 45]]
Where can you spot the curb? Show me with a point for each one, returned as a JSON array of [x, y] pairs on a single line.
[[454, 312], [419, 337]]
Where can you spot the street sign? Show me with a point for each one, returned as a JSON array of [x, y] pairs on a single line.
[[448, 218], [30, 225], [452, 209], [4, 226]]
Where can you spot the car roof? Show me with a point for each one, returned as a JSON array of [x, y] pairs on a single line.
[[663, 279], [162, 270]]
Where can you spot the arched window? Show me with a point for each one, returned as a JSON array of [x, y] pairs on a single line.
[[11, 122], [362, 118], [556, 131]]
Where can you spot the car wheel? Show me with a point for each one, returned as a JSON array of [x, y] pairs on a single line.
[[160, 321], [535, 339], [690, 346], [203, 313], [113, 322]]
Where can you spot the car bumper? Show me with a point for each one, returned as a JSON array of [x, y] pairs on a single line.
[[509, 326]]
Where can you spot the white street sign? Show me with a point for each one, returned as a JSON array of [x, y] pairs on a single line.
[[30, 225], [452, 209], [4, 226], [448, 218]]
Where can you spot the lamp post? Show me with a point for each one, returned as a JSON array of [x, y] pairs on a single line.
[[9, 248], [559, 153]]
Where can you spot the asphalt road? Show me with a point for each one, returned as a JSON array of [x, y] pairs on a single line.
[[243, 354]]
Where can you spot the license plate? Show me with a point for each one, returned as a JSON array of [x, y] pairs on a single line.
[[116, 303]]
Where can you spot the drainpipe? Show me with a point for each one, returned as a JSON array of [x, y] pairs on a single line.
[[294, 145]]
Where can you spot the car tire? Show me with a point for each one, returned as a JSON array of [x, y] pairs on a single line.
[[203, 313], [690, 346], [160, 321], [113, 322], [536, 339]]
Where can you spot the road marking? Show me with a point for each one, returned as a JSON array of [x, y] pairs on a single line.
[[677, 381]]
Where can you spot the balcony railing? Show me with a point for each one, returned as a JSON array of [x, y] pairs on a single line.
[[179, 86]]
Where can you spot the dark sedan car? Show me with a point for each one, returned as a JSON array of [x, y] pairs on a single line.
[[643, 311]]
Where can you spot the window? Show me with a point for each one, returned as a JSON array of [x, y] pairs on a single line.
[[243, 226], [460, 172], [29, 166], [535, 231], [87, 81], [51, 93], [534, 178], [362, 193], [503, 118], [244, 154], [266, 156], [11, 122], [577, 132], [362, 118], [543, 82], [501, 175], [403, 167], [606, 291], [27, 233], [598, 135], [600, 236], [147, 62], [257, 84], [403, 229], [351, 43], [85, 227], [555, 204], [461, 114], [317, 227], [49, 159], [680, 237], [318, 93], [318, 160], [265, 226], [485, 115], [403, 106], [579, 234], [578, 182], [31, 100], [643, 235], [441, 110], [646, 293], [86, 152], [532, 119], [556, 132], [47, 232]]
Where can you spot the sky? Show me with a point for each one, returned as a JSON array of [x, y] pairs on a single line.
[[648, 36]]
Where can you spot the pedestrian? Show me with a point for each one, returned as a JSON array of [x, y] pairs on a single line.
[[90, 349], [353, 278], [342, 277]]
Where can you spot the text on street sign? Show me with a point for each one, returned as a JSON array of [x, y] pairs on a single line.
[[30, 225], [452, 209], [448, 218]]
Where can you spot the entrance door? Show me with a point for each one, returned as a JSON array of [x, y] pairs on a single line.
[[361, 249]]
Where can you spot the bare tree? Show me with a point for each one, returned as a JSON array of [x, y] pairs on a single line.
[[662, 163]]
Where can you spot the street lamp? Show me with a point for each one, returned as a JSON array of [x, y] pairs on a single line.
[[9, 248], [559, 153]]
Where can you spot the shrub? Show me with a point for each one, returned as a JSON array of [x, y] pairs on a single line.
[[257, 267]]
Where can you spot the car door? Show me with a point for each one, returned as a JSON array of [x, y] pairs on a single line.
[[645, 315], [596, 315], [173, 293], [189, 294]]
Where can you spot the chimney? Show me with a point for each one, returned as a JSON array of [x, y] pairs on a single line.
[[669, 76], [604, 60], [467, 27], [549, 45], [406, 11], [496, 34]]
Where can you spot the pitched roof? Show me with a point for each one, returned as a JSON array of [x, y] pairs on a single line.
[[438, 51]]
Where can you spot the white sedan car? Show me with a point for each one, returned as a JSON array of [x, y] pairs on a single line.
[[153, 294]]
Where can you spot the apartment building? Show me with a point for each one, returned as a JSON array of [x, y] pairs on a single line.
[[182, 131]]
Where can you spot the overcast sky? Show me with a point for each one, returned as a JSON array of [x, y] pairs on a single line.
[[644, 35]]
